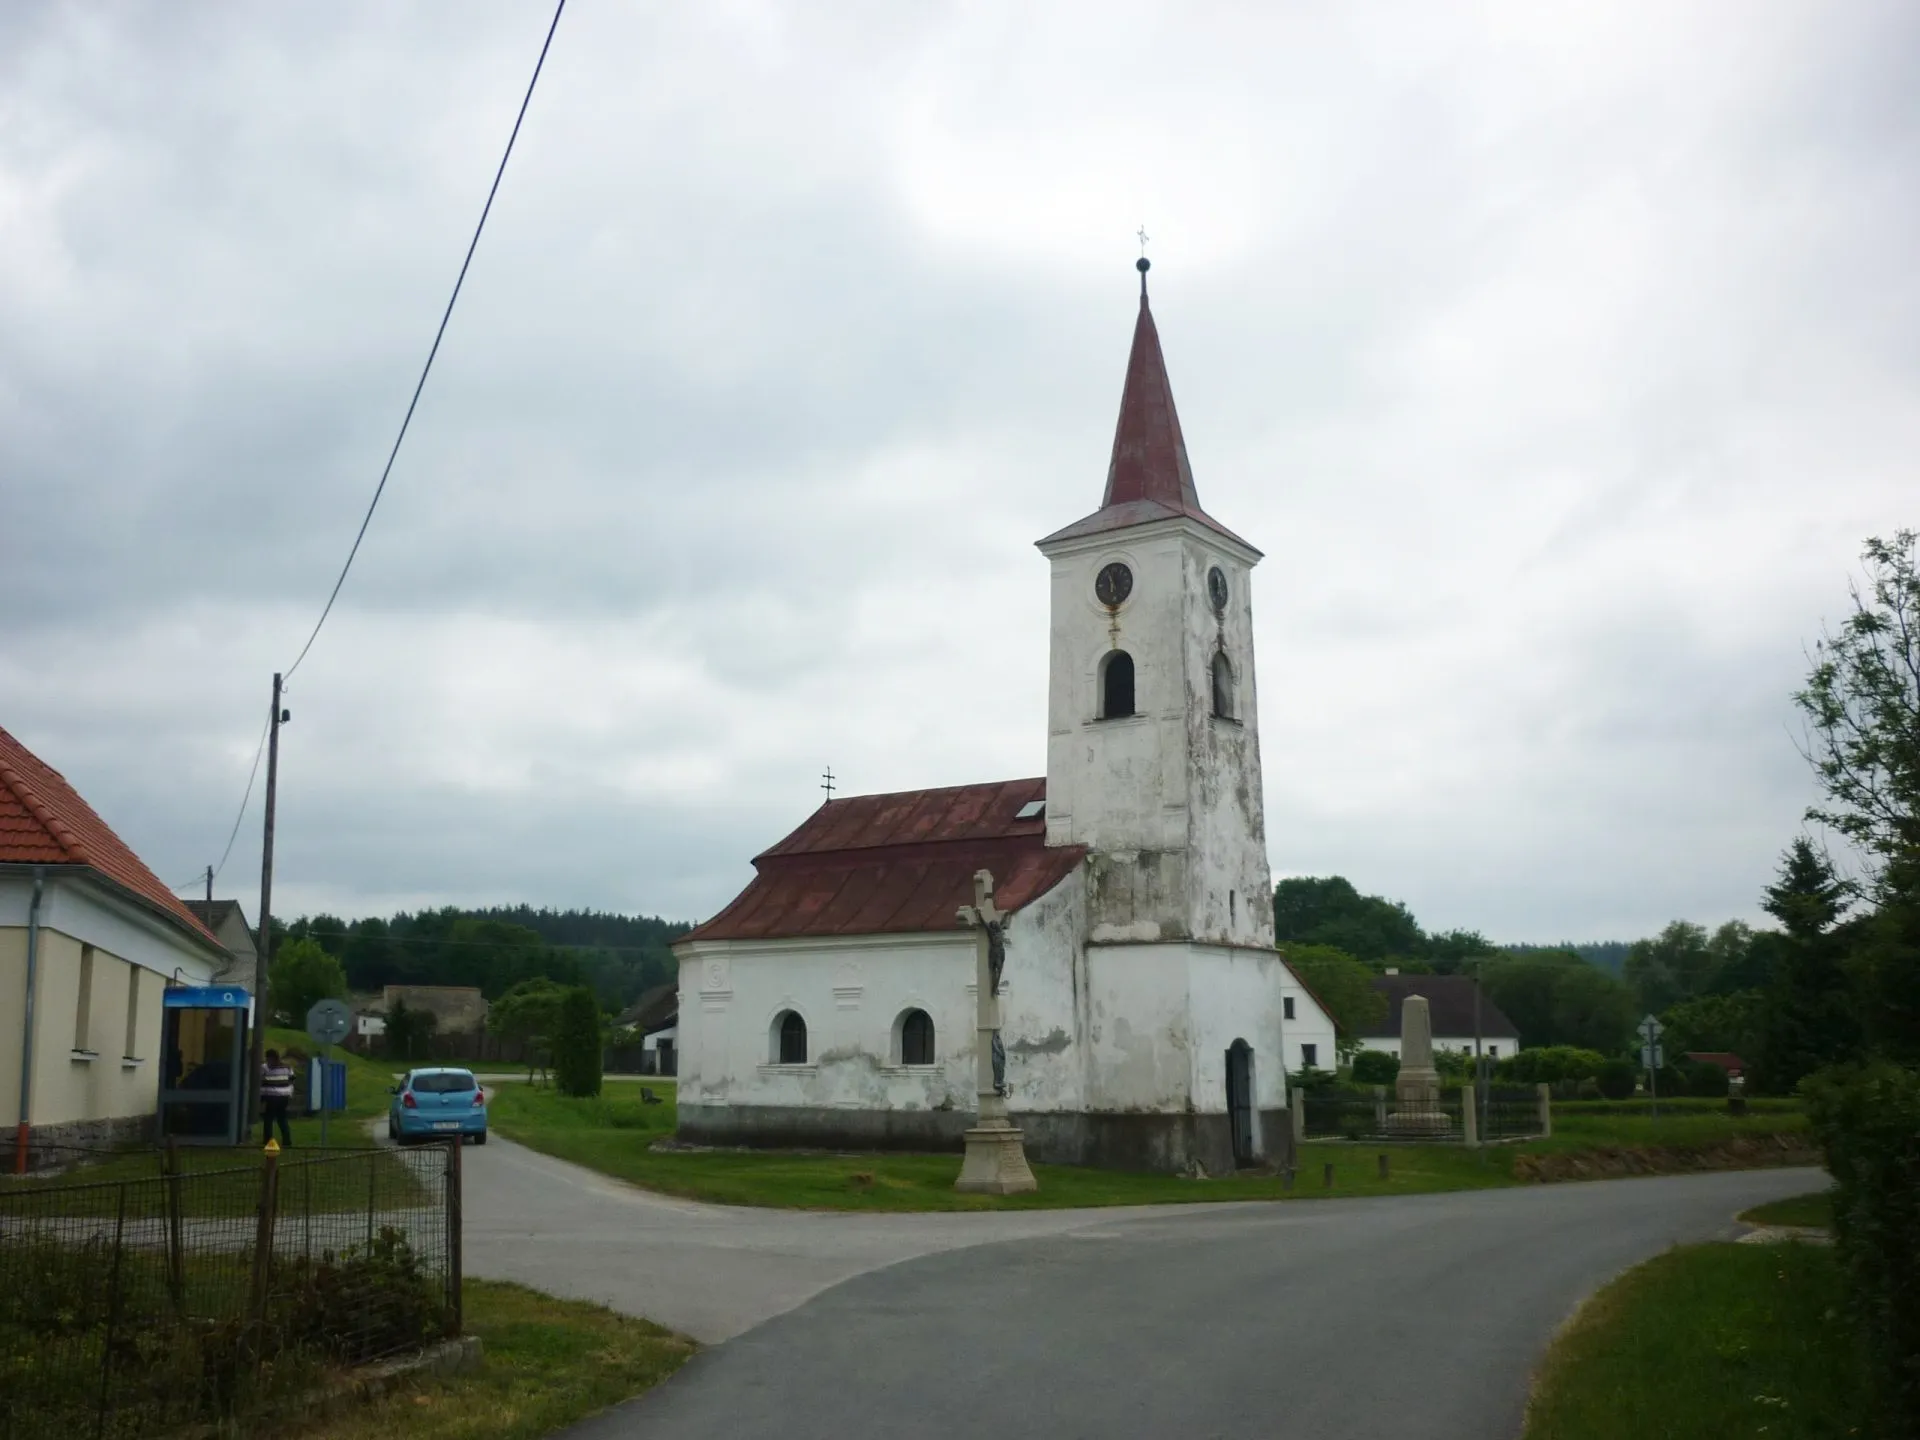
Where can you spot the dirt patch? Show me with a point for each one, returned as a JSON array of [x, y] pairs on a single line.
[[1602, 1162]]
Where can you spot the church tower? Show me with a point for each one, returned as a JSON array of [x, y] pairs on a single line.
[[1153, 755]]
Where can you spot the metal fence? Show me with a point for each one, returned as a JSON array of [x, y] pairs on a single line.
[[144, 1306], [1505, 1114]]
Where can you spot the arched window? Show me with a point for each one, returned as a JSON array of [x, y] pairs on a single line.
[[916, 1038], [790, 1039], [1222, 685], [1116, 685]]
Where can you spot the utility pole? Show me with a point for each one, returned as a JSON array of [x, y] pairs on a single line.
[[209, 884], [263, 952]]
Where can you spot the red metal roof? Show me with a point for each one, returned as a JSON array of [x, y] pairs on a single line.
[[1148, 477], [43, 821], [899, 863]]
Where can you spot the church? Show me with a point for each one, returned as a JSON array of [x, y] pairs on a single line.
[[1148, 1020]]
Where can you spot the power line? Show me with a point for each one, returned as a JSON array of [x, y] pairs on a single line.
[[426, 369], [252, 775], [394, 453]]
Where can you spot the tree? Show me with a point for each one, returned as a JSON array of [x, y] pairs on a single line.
[[1450, 951], [1344, 987], [1328, 911], [1554, 997], [1669, 968], [1862, 706], [1375, 1067], [408, 1031], [1734, 1022], [303, 974], [1810, 1016], [1808, 898], [576, 1044], [529, 1013]]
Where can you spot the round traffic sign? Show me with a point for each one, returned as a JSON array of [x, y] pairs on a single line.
[[328, 1021]]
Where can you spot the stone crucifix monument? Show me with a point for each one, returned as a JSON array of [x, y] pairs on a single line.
[[996, 1162], [1418, 1087]]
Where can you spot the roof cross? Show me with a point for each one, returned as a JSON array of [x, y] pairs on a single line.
[[1143, 242]]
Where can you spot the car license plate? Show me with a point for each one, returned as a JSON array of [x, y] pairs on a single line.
[[446, 1124]]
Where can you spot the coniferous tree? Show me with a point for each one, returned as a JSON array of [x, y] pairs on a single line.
[[1810, 1016], [576, 1048]]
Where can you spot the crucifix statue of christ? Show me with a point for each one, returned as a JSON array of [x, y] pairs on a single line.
[[996, 1162]]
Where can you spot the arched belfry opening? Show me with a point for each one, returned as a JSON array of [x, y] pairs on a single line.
[[1116, 685], [1222, 685]]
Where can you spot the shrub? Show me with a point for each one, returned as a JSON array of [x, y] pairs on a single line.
[[1616, 1078], [1588, 1089], [1375, 1067], [1868, 1120], [1705, 1078], [576, 1048], [1551, 1065]]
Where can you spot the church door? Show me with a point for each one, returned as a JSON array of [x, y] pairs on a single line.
[[1240, 1101]]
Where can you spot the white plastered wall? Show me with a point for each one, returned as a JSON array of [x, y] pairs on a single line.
[[852, 992]]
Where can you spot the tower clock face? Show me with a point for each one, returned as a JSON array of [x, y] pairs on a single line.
[[1113, 584], [1217, 587]]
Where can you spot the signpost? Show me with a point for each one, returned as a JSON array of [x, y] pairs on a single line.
[[1652, 1056], [327, 1024]]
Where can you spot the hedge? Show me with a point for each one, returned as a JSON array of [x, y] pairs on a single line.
[[1868, 1120]]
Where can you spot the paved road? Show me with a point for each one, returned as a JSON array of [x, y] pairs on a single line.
[[1418, 1318], [709, 1271]]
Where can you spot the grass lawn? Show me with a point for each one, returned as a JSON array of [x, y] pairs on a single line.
[[1707, 1342], [1815, 1211], [548, 1363], [612, 1134]]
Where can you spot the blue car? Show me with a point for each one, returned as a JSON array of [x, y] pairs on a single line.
[[437, 1104]]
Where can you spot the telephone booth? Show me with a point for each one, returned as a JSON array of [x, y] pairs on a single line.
[[203, 1080]]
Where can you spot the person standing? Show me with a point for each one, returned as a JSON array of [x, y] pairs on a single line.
[[276, 1094]]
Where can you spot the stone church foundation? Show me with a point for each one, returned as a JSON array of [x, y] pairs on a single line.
[[1163, 1143]]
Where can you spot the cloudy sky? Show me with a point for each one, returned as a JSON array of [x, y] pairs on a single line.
[[1558, 357]]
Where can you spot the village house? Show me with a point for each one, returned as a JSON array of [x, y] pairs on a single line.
[[89, 941], [1148, 1019], [1458, 1011]]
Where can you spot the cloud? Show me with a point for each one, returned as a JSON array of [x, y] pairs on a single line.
[[1559, 360]]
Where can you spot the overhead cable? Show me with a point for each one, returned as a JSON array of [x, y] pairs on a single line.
[[426, 369]]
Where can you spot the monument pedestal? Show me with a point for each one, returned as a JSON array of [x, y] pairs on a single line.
[[996, 1162]]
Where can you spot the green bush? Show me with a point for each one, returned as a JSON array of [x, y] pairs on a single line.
[[1375, 1067], [1550, 1065], [1705, 1078], [576, 1048], [1868, 1120], [1616, 1079]]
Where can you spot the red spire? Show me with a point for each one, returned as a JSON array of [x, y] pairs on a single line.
[[1149, 453], [1148, 478]]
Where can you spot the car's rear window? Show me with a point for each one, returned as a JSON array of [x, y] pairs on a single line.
[[442, 1084]]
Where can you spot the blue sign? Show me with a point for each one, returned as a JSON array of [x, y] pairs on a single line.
[[326, 1084], [205, 997]]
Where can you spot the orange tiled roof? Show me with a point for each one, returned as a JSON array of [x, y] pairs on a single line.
[[43, 821]]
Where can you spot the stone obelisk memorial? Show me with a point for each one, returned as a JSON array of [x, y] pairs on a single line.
[[996, 1162], [1418, 1087]]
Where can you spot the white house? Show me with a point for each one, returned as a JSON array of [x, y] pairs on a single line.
[[1457, 1012], [1148, 1020], [89, 940]]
